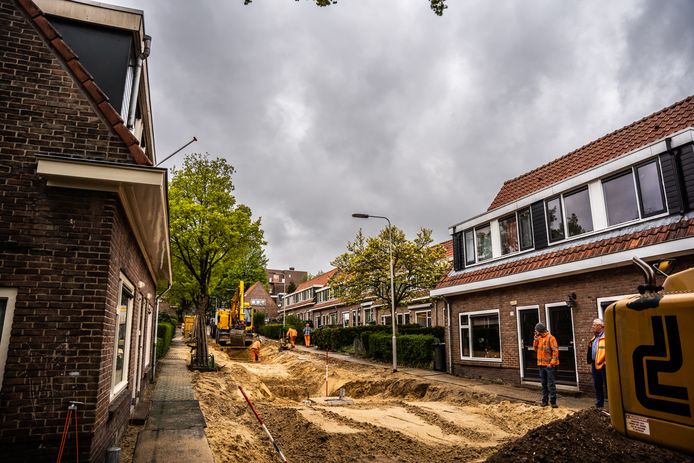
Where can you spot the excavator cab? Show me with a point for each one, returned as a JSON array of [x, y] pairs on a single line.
[[650, 359]]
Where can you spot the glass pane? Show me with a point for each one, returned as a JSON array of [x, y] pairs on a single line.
[[485, 336], [555, 220], [3, 309], [578, 216], [484, 243], [121, 329], [652, 201], [509, 235], [469, 247], [620, 199], [526, 230], [465, 341], [463, 320]]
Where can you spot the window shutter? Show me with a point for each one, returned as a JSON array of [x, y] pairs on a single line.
[[458, 251], [687, 164], [539, 225], [672, 182]]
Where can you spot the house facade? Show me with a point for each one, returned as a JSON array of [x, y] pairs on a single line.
[[280, 282], [261, 301], [84, 232], [555, 246]]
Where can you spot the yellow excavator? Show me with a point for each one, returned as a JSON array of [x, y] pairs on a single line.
[[650, 359], [234, 326]]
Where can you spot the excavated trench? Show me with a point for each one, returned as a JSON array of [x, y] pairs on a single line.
[[393, 418]]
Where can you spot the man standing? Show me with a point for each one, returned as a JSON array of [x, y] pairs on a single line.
[[596, 359], [255, 349], [307, 334], [292, 334], [545, 346]]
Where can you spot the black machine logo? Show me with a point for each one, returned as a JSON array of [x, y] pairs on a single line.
[[649, 361]]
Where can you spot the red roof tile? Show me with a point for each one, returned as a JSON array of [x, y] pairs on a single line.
[[320, 280], [658, 125], [577, 253], [83, 78]]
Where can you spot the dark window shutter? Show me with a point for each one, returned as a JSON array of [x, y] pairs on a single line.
[[671, 180], [458, 251], [687, 164], [539, 225]]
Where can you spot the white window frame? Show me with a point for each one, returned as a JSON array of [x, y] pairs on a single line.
[[519, 309], [469, 327], [428, 317], [149, 311], [345, 319], [10, 294], [573, 324], [120, 386], [610, 299]]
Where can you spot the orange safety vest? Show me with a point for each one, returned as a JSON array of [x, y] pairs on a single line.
[[547, 350], [600, 354]]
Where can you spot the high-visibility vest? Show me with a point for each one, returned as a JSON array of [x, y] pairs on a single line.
[[547, 350], [600, 353]]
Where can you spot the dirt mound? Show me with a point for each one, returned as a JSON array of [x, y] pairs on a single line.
[[586, 436]]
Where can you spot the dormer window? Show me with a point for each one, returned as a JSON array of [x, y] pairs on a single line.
[[637, 192], [516, 232], [483, 236], [577, 220]]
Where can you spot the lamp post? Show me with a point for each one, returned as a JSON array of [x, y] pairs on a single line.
[[392, 282]]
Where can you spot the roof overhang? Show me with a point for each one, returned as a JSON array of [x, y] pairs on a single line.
[[618, 259], [142, 192]]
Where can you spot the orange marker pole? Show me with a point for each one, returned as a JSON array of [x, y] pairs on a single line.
[[326, 373]]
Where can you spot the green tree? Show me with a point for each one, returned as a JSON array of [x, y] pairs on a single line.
[[437, 6], [364, 270], [214, 240]]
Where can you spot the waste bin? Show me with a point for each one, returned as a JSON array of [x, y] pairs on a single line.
[[439, 356]]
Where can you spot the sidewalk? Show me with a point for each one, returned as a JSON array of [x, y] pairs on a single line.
[[175, 429], [505, 391]]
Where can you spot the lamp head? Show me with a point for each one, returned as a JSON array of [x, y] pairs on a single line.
[[360, 216]]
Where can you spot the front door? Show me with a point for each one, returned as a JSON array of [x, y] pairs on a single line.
[[527, 319], [560, 324]]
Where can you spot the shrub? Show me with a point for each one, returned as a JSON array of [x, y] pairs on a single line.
[[380, 346], [160, 347], [413, 328], [165, 331], [258, 320], [272, 330], [416, 349]]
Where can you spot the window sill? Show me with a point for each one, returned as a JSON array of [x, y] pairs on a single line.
[[481, 361]]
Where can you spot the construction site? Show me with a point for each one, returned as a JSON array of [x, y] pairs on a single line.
[[365, 412]]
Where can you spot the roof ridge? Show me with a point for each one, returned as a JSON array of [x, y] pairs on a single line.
[[588, 145], [83, 78]]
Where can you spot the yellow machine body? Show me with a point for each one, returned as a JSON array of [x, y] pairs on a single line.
[[235, 325], [650, 364], [188, 324]]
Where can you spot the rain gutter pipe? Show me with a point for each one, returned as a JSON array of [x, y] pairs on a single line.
[[136, 81], [156, 323]]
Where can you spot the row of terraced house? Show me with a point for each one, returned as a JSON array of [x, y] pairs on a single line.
[[554, 246]]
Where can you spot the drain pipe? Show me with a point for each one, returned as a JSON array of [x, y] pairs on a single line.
[[449, 349], [136, 81], [153, 373]]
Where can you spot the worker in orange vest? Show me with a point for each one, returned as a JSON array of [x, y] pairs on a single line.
[[292, 334], [307, 334], [255, 349], [547, 351], [596, 359]]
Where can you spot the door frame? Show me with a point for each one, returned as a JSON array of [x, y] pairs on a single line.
[[521, 369], [573, 330]]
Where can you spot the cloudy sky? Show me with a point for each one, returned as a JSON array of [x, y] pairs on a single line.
[[383, 107]]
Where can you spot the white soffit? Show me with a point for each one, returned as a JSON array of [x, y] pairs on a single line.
[[142, 191]]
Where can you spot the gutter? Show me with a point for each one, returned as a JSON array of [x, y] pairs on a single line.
[[153, 372], [132, 109]]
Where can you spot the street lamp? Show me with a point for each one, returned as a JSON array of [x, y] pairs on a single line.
[[392, 282]]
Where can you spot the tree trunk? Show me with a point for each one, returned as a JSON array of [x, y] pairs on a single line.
[[201, 359]]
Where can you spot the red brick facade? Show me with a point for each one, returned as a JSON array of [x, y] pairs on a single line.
[[63, 250]]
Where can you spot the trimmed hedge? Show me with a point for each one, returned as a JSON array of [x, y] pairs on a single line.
[[414, 350], [336, 338], [271, 330], [165, 333]]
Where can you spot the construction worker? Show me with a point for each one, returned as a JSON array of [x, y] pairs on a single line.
[[307, 334], [547, 351], [596, 359], [255, 349], [292, 334]]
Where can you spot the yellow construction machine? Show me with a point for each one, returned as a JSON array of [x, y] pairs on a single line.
[[234, 326], [650, 359]]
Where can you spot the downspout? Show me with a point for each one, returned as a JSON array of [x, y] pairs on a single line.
[[136, 81], [449, 353], [153, 373]]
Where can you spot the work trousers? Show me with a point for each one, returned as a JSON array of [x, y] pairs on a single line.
[[292, 339], [307, 340], [599, 384], [549, 387], [255, 355]]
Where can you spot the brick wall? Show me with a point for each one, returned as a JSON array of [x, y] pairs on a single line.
[[63, 250], [588, 288]]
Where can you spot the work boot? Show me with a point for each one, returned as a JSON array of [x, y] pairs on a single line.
[[555, 406], [544, 404]]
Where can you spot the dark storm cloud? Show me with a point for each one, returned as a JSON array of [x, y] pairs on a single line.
[[383, 107]]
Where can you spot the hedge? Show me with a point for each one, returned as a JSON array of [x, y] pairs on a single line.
[[413, 349], [272, 330], [338, 338], [165, 333]]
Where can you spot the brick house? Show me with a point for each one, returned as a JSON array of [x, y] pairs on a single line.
[[261, 301], [280, 281], [556, 244], [83, 225]]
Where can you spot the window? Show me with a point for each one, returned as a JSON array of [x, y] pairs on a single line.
[[333, 319], [555, 219], [356, 317], [386, 319], [7, 302], [469, 247], [604, 303], [525, 229], [345, 319], [650, 190], [368, 316], [121, 348], [403, 318], [483, 236], [423, 318], [508, 229], [579, 219], [480, 338]]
